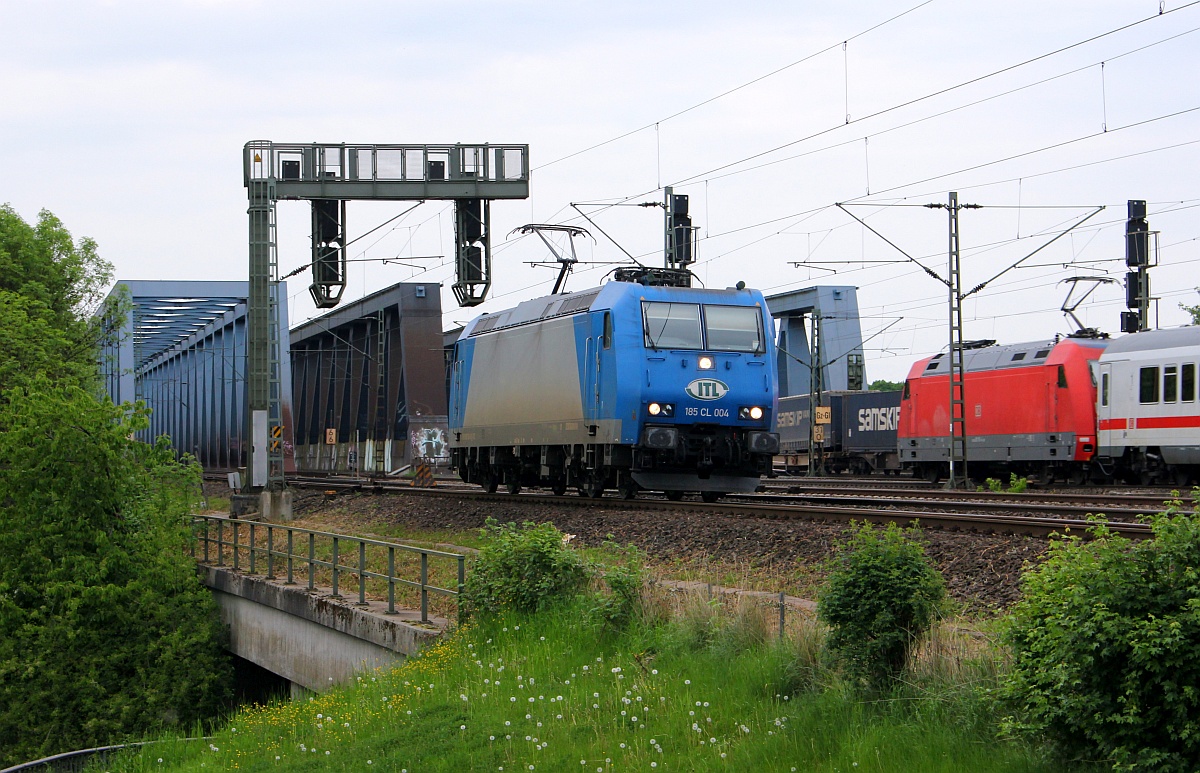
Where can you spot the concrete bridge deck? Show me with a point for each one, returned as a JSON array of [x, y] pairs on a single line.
[[311, 638]]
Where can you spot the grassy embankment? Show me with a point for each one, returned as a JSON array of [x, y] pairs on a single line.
[[711, 689]]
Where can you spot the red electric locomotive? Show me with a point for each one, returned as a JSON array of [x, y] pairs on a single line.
[[1030, 409]]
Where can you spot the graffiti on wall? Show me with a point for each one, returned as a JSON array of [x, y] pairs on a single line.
[[430, 443]]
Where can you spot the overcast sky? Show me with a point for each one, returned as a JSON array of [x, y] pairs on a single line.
[[127, 120]]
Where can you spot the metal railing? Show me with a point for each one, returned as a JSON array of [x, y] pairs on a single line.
[[249, 543]]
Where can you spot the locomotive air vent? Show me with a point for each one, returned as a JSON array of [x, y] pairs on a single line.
[[486, 325], [577, 303]]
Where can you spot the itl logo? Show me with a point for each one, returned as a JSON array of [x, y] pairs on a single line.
[[707, 389]]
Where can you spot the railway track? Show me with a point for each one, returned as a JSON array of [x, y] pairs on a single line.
[[1118, 506], [1023, 517]]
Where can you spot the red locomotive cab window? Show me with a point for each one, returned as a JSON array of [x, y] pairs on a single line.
[[1062, 377], [907, 392]]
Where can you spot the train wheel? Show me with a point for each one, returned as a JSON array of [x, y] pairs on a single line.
[[513, 486], [931, 473], [592, 486], [629, 488], [490, 483], [674, 496], [711, 496], [558, 488]]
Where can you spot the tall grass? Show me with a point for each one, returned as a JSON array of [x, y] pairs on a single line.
[[706, 690]]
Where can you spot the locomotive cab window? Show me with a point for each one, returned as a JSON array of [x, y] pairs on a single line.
[[1170, 383], [1148, 385], [607, 336], [671, 325], [1104, 389], [1189, 382], [733, 328]]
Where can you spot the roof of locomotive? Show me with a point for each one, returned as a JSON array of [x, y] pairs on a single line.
[[1023, 355], [563, 304], [1169, 338]]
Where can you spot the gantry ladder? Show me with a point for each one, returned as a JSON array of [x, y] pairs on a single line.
[[958, 415], [380, 394]]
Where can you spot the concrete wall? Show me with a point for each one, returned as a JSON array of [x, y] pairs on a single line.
[[313, 640]]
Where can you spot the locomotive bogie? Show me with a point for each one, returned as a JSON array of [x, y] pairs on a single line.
[[626, 386]]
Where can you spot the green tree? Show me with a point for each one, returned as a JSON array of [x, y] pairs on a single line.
[[1104, 648], [105, 630], [1192, 310], [49, 287], [881, 385]]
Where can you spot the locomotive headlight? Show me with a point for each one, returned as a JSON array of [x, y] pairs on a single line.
[[665, 410], [655, 409], [705, 362], [753, 412]]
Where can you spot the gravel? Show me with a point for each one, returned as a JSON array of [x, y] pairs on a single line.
[[982, 571]]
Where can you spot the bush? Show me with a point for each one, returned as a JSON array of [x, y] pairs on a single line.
[[881, 595], [1015, 485], [626, 580], [105, 630], [524, 569], [1104, 648]]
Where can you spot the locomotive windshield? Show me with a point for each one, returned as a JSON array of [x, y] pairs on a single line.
[[733, 328], [672, 325], [725, 328]]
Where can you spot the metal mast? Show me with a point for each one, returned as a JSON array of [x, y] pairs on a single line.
[[958, 417], [816, 431], [265, 452], [328, 175]]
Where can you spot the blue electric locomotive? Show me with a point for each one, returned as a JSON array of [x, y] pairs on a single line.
[[626, 386]]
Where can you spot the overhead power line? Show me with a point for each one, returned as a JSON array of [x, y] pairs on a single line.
[[654, 124], [939, 92]]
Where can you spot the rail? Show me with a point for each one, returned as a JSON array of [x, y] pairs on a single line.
[[276, 544]]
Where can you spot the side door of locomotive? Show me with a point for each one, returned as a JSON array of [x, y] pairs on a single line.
[[597, 347]]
